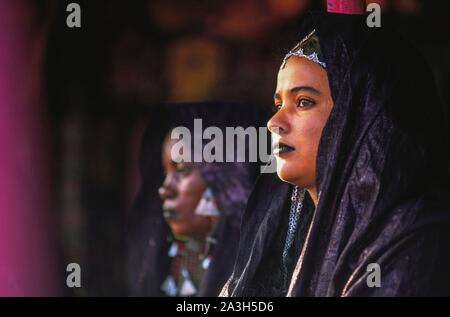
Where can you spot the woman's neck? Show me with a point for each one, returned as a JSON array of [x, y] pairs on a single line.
[[313, 193]]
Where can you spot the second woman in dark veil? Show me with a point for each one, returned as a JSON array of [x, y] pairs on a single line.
[[158, 253], [361, 202]]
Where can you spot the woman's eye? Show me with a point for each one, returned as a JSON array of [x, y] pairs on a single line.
[[305, 103], [277, 107], [183, 169]]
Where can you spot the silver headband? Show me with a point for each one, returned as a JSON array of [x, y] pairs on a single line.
[[308, 48]]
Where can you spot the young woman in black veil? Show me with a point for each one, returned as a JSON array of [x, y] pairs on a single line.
[[184, 243], [362, 173]]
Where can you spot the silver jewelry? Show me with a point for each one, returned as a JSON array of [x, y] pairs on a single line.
[[297, 199], [294, 215], [308, 48]]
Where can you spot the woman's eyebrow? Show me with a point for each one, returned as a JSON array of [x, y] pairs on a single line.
[[299, 88], [305, 88]]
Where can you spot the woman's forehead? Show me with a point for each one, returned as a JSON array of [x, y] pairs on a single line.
[[300, 71]]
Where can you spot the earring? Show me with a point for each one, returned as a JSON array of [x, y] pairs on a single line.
[[206, 205]]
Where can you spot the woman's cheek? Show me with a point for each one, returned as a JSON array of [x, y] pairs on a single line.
[[191, 195], [308, 131], [311, 130]]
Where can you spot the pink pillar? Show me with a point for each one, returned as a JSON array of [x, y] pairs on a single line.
[[27, 260], [346, 6]]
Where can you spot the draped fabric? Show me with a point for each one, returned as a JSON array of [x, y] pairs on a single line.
[[382, 176]]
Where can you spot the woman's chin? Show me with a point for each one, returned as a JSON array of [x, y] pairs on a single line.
[[285, 175], [190, 230], [180, 230]]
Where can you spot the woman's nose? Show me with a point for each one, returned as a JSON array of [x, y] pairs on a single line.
[[278, 124], [168, 189]]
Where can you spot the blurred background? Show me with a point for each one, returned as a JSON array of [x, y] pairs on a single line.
[[74, 103]]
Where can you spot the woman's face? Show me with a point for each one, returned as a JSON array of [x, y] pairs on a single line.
[[181, 192], [302, 106]]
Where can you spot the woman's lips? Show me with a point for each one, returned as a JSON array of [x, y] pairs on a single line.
[[281, 148], [170, 213]]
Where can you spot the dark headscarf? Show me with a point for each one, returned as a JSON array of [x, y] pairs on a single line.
[[381, 177], [148, 263], [230, 183]]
